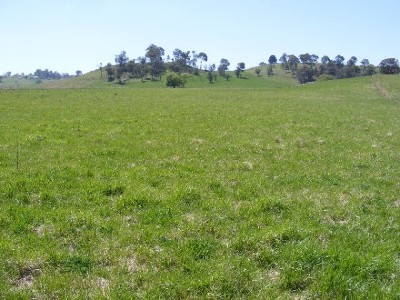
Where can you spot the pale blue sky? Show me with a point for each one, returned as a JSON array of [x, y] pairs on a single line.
[[67, 35]]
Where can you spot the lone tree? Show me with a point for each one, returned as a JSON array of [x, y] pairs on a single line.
[[272, 60], [203, 57], [223, 67], [239, 69], [389, 66], [258, 71], [210, 73]]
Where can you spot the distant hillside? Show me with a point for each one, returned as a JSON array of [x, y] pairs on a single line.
[[387, 85], [93, 79]]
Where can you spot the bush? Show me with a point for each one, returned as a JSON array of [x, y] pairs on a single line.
[[175, 80]]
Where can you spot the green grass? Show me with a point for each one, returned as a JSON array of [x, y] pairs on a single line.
[[282, 192], [17, 83], [93, 80]]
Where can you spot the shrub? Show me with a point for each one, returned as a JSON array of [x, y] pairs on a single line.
[[175, 80]]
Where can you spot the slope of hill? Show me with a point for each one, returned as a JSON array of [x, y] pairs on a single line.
[[387, 85], [93, 79]]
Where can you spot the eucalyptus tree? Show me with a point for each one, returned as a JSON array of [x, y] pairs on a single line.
[[389, 66], [239, 69], [155, 55], [203, 57], [284, 61], [272, 59], [339, 59], [325, 59], [223, 67]]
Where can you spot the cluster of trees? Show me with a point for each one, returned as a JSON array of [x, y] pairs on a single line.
[[40, 74], [8, 75], [46, 74], [389, 66], [305, 67], [152, 65]]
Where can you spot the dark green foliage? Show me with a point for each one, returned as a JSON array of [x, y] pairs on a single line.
[[284, 61], [121, 59], [272, 60], [110, 72], [239, 69], [389, 66], [306, 73], [325, 59], [339, 59], [293, 61], [155, 55], [223, 67]]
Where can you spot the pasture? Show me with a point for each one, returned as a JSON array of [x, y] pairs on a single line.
[[287, 192]]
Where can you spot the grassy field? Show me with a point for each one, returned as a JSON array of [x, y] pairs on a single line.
[[261, 190], [93, 80]]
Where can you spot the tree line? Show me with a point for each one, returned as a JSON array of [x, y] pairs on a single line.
[[154, 64], [305, 67], [40, 74], [48, 74]]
